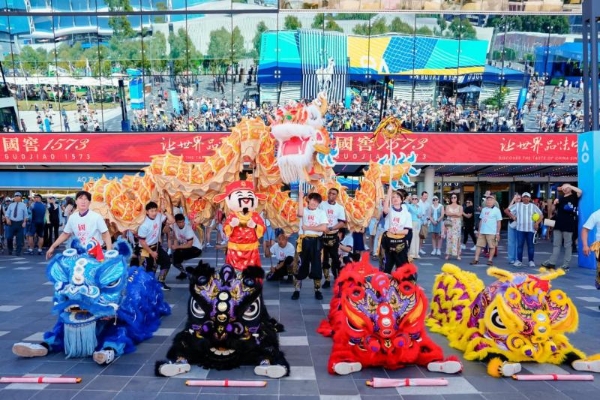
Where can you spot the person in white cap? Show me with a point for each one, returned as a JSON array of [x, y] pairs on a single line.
[[523, 213]]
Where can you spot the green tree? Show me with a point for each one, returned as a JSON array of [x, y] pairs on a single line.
[[461, 28], [32, 61], [399, 26], [291, 23], [318, 21], [531, 23], [256, 41], [331, 25], [120, 24], [237, 45], [160, 19], [377, 27], [424, 31], [498, 99], [183, 52], [219, 47], [155, 52], [352, 17]]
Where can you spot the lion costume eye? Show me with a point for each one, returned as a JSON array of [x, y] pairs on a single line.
[[253, 311], [197, 311], [496, 320]]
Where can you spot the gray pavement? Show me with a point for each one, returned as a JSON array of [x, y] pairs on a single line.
[[25, 303]]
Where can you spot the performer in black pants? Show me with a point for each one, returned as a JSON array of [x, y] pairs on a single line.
[[336, 219], [185, 245], [394, 241], [469, 223]]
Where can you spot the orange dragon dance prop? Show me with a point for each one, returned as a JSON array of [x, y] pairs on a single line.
[[305, 152]]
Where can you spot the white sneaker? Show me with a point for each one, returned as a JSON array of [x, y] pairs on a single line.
[[208, 245], [29, 350], [367, 248], [462, 247], [271, 371], [531, 264], [346, 368], [473, 248], [510, 369], [434, 252], [518, 264], [585, 365], [439, 252], [172, 369], [447, 367], [104, 356]]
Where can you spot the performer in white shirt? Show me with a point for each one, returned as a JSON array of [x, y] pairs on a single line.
[[313, 223], [336, 219], [149, 234], [283, 252], [397, 222], [185, 245], [84, 224]]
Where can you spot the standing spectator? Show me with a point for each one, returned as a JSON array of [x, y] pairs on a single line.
[[469, 225], [425, 211], [435, 227], [414, 210], [512, 232], [454, 228], [53, 222], [313, 223], [566, 208], [16, 221], [38, 216], [185, 244], [68, 209], [488, 233], [523, 213], [592, 222]]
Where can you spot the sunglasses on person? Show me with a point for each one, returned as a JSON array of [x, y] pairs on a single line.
[[435, 200]]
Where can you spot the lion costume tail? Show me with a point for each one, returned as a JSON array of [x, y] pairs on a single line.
[[454, 291]]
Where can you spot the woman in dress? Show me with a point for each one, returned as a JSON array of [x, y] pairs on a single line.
[[453, 229], [435, 228]]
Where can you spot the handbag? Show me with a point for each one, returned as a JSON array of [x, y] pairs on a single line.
[[549, 222]]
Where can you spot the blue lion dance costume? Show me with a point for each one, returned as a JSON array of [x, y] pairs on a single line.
[[104, 307]]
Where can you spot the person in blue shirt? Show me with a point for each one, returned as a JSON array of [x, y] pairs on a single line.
[[38, 216]]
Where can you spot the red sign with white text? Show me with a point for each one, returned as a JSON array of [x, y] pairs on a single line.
[[355, 148]]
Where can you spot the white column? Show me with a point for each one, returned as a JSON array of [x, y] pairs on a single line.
[[429, 181]]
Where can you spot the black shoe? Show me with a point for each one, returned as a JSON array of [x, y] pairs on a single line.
[[566, 268], [296, 295], [164, 286], [318, 295], [548, 265], [326, 285], [181, 276]]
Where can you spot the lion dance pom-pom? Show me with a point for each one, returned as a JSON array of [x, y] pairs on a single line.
[[377, 319], [518, 318]]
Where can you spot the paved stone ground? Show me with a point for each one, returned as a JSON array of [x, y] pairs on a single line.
[[25, 303]]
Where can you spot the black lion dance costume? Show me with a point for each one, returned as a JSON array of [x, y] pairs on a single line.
[[228, 325]]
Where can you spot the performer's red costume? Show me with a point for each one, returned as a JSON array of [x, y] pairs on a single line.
[[243, 226]]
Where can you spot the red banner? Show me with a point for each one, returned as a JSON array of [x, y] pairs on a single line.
[[355, 148]]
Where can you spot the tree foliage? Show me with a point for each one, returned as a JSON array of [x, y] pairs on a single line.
[[377, 27], [461, 28], [256, 41], [291, 23], [326, 23], [558, 24], [120, 24]]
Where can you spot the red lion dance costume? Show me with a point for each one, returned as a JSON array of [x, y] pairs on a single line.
[[377, 320], [243, 225]]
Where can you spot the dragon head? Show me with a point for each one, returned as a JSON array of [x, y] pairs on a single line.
[[523, 316], [300, 133], [227, 314]]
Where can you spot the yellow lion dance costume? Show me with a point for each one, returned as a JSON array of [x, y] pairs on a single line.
[[518, 318]]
